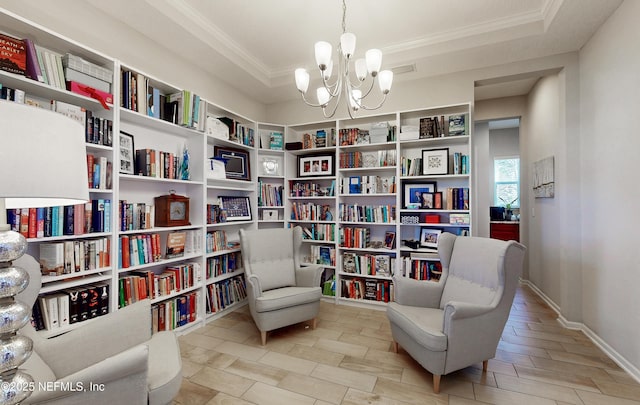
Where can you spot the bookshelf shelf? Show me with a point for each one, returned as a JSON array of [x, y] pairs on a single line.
[[230, 223], [174, 294], [161, 262], [78, 280], [69, 237], [373, 276], [221, 252], [225, 276], [160, 229]]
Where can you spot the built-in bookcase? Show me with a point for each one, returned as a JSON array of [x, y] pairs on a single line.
[[271, 176]]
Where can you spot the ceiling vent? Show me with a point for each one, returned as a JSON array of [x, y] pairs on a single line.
[[399, 70]]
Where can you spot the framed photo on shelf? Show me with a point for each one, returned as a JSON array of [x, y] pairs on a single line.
[[127, 154], [427, 201], [390, 239], [236, 208], [412, 193], [435, 161], [316, 165], [429, 237], [237, 162]]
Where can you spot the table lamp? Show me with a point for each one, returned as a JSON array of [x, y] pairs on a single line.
[[42, 164]]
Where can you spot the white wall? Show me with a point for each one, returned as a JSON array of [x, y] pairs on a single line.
[[609, 106]]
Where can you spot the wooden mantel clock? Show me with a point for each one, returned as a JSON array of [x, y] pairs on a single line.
[[172, 210]]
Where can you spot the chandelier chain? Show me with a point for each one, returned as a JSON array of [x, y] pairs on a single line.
[[344, 16]]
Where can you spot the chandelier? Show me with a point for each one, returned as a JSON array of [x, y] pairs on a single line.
[[353, 91]]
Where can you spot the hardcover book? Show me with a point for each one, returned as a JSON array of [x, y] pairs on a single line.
[[13, 55]]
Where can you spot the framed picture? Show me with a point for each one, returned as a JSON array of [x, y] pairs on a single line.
[[412, 195], [390, 239], [427, 200], [127, 154], [429, 237], [270, 166], [435, 161], [237, 162], [316, 165], [236, 208]]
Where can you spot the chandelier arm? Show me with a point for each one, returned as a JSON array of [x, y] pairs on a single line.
[[333, 112], [373, 82], [309, 103], [364, 107], [332, 89]]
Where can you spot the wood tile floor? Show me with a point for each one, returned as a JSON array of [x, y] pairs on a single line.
[[348, 360]]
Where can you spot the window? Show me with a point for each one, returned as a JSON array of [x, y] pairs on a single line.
[[506, 187]]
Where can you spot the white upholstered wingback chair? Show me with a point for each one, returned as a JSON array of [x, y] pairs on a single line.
[[280, 291], [457, 322], [116, 352]]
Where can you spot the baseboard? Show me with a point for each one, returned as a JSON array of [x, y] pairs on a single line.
[[624, 364]]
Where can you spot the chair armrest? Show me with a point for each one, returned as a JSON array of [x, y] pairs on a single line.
[[417, 293], [309, 275], [456, 311], [97, 340], [256, 288], [129, 366]]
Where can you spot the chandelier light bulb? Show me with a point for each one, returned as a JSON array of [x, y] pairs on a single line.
[[302, 80], [385, 79], [323, 54], [354, 100], [374, 61], [361, 69], [323, 96], [348, 44], [328, 70]]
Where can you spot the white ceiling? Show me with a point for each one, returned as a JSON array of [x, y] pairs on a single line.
[[255, 45]]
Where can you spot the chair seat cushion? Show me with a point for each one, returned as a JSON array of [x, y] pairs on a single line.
[[165, 368], [273, 300], [424, 325]]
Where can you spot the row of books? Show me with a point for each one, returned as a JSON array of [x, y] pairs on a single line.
[[140, 285], [357, 159], [175, 312], [320, 139], [159, 164], [216, 241], [319, 232], [368, 264], [239, 132], [320, 254], [270, 195], [421, 268], [136, 216], [135, 250], [311, 212], [70, 306], [224, 293], [24, 57], [460, 163], [441, 126], [99, 172], [367, 213], [220, 265], [182, 107], [354, 237], [368, 185], [410, 167], [456, 198], [74, 256], [44, 222], [367, 289], [306, 189]]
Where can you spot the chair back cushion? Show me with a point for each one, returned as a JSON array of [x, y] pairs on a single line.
[[476, 271], [269, 254]]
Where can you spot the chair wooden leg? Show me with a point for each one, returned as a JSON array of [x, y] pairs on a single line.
[[263, 337], [436, 383], [314, 323], [485, 364], [396, 347]]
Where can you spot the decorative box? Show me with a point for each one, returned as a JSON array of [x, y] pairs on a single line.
[[269, 215], [432, 218], [410, 219], [459, 219], [88, 91]]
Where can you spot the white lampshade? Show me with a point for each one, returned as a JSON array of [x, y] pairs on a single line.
[[374, 60], [323, 96], [302, 80], [348, 44], [354, 100], [361, 69], [328, 70], [43, 160], [323, 54], [385, 79]]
